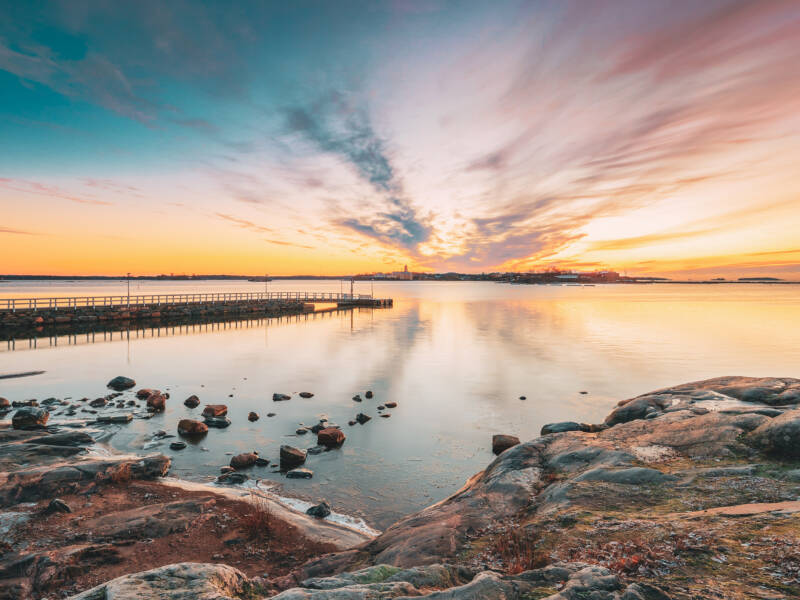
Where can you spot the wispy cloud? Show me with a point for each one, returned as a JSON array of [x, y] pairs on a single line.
[[11, 231]]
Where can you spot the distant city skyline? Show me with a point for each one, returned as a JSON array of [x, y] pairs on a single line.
[[329, 138]]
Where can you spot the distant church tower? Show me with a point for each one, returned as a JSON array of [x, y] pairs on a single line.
[[405, 269]]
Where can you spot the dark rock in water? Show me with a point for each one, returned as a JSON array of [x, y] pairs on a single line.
[[316, 450], [780, 435], [215, 410], [261, 462], [126, 418], [233, 478], [368, 394], [156, 402], [522, 398], [244, 460], [301, 431], [380, 407], [178, 445], [271, 414], [58, 505], [291, 457], [362, 418], [280, 397], [357, 398], [30, 417], [121, 383], [301, 473], [583, 392], [192, 401], [501, 442], [73, 439], [218, 422], [4, 403], [330, 437], [385, 415], [145, 393], [320, 511], [351, 423], [390, 404], [252, 417], [306, 395], [190, 427], [98, 402], [561, 427], [318, 427], [20, 403], [226, 469]]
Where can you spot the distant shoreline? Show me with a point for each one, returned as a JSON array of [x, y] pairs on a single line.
[[468, 278]]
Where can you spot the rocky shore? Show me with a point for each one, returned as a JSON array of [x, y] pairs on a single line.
[[686, 492]]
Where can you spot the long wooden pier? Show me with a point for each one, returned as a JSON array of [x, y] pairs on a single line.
[[66, 302], [23, 313]]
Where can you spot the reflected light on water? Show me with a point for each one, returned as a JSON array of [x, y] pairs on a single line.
[[454, 356]]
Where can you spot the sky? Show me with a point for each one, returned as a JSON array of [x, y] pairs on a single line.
[[650, 137]]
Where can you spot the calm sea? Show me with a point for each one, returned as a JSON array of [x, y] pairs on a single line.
[[455, 356]]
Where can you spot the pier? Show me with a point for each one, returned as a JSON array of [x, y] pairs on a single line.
[[25, 313]]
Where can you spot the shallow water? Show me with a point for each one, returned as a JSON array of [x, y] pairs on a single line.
[[456, 356]]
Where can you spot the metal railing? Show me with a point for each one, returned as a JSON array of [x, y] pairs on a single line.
[[14, 304]]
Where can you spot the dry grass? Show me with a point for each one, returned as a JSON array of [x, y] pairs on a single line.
[[258, 519], [520, 550], [120, 474]]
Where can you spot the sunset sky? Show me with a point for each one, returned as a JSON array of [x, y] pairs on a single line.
[[343, 137]]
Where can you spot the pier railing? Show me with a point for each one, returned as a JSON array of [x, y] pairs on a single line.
[[14, 304]]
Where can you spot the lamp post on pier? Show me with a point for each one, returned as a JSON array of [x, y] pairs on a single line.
[[128, 276]]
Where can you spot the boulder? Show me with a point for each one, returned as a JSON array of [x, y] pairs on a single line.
[[58, 505], [368, 394], [361, 418], [156, 402], [145, 393], [501, 442], [198, 581], [357, 398], [4, 403], [30, 417], [217, 422], [291, 457], [215, 410], [280, 397], [300, 473], [306, 395], [98, 402], [177, 445], [301, 431], [320, 511], [192, 401], [330, 437], [561, 427], [121, 383], [252, 417], [190, 427], [779, 436], [123, 418], [244, 460], [234, 477], [390, 404]]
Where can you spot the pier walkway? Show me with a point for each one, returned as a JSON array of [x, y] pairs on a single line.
[[125, 301], [17, 314]]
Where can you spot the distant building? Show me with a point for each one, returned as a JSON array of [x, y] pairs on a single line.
[[403, 275]]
